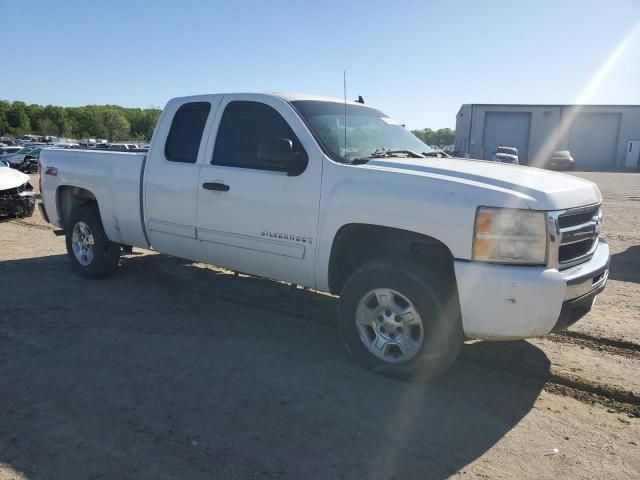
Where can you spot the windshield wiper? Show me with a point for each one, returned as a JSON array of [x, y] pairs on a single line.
[[395, 153], [382, 152]]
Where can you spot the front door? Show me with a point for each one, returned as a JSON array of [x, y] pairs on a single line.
[[255, 216], [632, 159]]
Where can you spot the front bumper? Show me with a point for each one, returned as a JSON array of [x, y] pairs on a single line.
[[576, 308], [505, 302], [17, 204], [510, 160], [560, 165]]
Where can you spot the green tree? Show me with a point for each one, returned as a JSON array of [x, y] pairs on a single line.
[[438, 138], [92, 121], [116, 125], [18, 119], [142, 122], [46, 126], [58, 116], [4, 124]]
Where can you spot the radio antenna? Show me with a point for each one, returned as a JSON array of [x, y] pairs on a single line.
[[344, 84]]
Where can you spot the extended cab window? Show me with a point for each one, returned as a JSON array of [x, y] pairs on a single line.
[[244, 127], [184, 137]]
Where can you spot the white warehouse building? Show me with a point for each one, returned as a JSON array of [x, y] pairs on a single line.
[[598, 136]]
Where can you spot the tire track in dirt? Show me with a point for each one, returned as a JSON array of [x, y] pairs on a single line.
[[23, 223], [602, 344], [561, 382]]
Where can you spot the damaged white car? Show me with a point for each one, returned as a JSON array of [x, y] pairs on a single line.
[[17, 198]]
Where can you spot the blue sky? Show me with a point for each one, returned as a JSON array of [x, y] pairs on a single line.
[[416, 60]]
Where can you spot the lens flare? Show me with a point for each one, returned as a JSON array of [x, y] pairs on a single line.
[[568, 118]]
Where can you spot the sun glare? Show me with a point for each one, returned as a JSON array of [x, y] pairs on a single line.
[[586, 95]]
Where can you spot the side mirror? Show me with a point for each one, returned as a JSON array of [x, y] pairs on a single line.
[[279, 153]]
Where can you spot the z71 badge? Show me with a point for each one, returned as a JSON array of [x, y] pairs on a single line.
[[287, 236]]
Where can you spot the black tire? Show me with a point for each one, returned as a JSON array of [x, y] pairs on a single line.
[[435, 297], [107, 253]]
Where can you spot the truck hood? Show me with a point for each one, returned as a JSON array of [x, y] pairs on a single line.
[[539, 189], [10, 178]]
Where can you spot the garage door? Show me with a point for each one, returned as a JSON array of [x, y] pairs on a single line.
[[509, 129], [593, 139]]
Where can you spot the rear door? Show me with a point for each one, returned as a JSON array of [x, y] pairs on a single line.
[[171, 178], [262, 220]]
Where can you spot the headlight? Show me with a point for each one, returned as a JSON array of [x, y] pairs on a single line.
[[505, 235]]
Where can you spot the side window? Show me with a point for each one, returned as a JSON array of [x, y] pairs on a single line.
[[186, 130], [243, 128]]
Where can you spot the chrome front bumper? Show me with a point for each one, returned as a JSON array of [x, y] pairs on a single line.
[[588, 276]]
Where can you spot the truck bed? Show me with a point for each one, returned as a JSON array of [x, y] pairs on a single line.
[[113, 178]]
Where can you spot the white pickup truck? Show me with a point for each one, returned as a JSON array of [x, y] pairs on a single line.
[[339, 197]]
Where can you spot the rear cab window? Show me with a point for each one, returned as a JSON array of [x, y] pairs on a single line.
[[187, 127]]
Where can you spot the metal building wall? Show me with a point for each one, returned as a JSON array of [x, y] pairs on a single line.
[[597, 135]]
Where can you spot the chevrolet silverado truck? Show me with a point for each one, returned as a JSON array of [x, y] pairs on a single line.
[[335, 196]]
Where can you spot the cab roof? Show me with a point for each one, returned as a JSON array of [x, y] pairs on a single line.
[[292, 97]]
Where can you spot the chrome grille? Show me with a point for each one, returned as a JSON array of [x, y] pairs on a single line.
[[572, 218], [573, 235]]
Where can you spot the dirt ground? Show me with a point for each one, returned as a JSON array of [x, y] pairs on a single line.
[[176, 370]]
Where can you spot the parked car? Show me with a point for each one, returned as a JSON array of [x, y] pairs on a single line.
[[422, 251], [506, 155], [65, 145], [123, 147], [8, 150], [561, 160], [102, 146], [437, 154], [17, 198], [25, 160]]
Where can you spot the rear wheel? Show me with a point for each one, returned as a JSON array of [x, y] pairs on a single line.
[[91, 253], [397, 317]]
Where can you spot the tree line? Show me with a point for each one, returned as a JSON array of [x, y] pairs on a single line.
[[92, 121], [115, 123], [438, 138]]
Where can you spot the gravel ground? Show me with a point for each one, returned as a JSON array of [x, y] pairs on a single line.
[[617, 311], [171, 369]]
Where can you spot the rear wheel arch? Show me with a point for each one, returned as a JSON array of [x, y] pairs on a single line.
[[357, 243], [70, 198]]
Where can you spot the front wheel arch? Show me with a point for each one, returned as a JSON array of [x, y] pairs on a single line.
[[355, 244]]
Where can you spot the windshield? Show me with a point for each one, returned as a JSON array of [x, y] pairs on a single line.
[[24, 151], [368, 130], [561, 153], [508, 151]]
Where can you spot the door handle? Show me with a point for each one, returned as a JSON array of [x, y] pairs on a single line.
[[218, 187]]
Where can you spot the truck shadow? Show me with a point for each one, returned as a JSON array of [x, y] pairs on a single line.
[[171, 369], [625, 266]]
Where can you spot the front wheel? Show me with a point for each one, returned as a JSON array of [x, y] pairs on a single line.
[[91, 253], [398, 317]]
